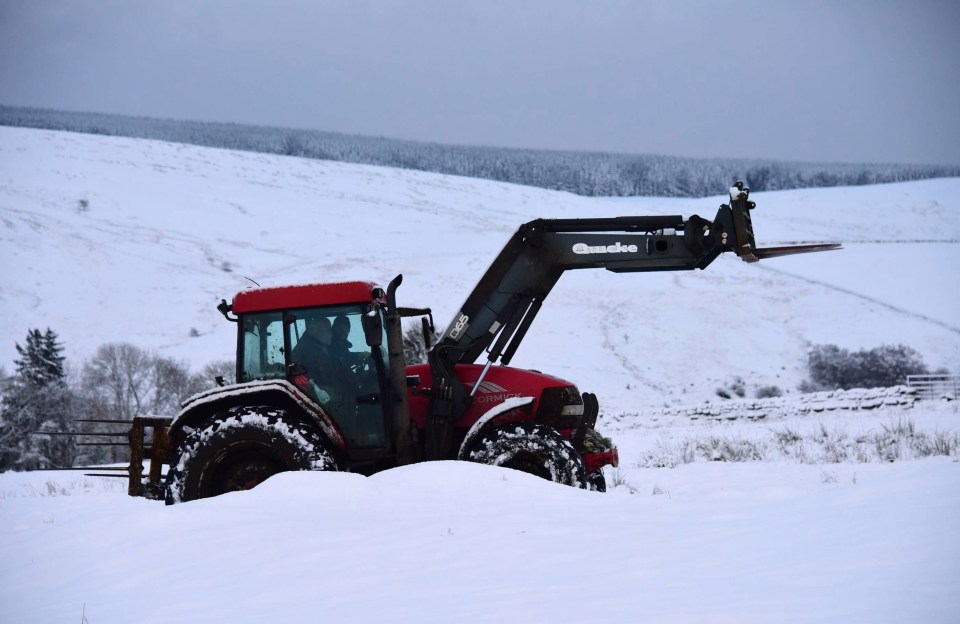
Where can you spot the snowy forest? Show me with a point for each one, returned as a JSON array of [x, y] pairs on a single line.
[[584, 173]]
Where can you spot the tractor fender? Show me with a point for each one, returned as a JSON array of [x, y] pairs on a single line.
[[496, 416], [278, 393]]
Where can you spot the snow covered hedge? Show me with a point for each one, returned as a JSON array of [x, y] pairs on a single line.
[[796, 405]]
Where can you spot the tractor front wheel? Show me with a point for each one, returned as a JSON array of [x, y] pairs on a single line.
[[535, 449], [596, 482], [241, 448]]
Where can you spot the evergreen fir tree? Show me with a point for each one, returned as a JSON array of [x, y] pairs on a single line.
[[41, 362], [36, 399]]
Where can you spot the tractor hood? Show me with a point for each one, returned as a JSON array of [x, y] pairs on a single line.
[[498, 385]]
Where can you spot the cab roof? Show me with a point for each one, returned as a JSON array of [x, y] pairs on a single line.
[[305, 295]]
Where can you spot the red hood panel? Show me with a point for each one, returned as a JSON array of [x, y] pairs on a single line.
[[499, 384]]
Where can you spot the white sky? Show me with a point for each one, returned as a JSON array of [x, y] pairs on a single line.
[[842, 80]]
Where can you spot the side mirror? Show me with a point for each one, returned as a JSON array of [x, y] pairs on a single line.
[[224, 308], [372, 326]]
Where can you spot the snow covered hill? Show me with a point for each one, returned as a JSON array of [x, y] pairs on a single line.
[[109, 239], [794, 512]]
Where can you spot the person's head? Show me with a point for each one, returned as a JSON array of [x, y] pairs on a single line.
[[320, 329], [341, 327]]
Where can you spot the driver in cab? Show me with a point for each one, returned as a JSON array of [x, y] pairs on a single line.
[[313, 352]]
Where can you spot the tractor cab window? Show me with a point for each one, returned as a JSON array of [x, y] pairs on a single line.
[[339, 370], [261, 347]]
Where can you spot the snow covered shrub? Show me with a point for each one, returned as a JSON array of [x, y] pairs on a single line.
[[617, 480], [942, 443], [902, 440], [831, 367], [896, 441], [790, 444], [670, 455], [736, 387], [833, 445], [711, 448], [768, 392], [731, 450]]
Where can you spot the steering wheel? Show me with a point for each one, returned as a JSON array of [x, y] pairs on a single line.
[[360, 367]]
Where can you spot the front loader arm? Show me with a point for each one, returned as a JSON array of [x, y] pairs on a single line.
[[526, 270]]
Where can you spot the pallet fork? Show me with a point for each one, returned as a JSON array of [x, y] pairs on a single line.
[[158, 452]]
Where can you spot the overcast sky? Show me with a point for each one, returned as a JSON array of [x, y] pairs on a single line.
[[842, 80]]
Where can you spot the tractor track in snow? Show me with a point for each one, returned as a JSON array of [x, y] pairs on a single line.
[[607, 327], [872, 300]]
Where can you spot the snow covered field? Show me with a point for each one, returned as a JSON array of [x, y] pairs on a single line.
[[110, 239], [706, 541]]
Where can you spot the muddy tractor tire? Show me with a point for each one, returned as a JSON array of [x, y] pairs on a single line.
[[535, 449], [240, 448]]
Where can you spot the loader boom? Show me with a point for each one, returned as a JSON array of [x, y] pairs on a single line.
[[505, 301]]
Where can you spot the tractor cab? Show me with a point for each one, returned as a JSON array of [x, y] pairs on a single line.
[[329, 341]]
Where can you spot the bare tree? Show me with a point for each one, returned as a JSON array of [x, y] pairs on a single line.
[[119, 381], [125, 381]]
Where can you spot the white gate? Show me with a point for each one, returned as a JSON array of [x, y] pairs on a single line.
[[935, 386]]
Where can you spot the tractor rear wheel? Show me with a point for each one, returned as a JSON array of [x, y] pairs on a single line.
[[240, 448], [535, 449]]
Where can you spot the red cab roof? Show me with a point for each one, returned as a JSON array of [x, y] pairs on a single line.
[[306, 295]]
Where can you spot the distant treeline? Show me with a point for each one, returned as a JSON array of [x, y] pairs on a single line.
[[583, 173]]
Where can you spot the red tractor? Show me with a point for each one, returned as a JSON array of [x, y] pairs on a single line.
[[322, 383]]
